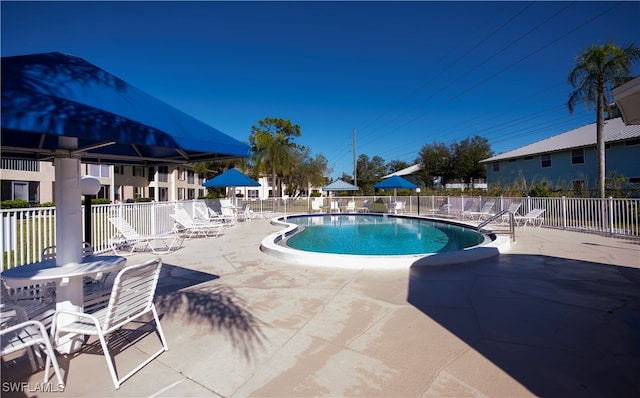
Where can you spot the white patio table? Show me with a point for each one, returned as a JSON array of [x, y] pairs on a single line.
[[68, 278]]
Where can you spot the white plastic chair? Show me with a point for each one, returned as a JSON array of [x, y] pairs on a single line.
[[38, 302], [28, 335], [95, 290], [131, 298], [399, 208], [351, 206], [316, 206]]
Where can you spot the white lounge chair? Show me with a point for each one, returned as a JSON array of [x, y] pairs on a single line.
[[443, 211], [534, 217], [229, 214], [245, 215], [131, 298], [482, 213], [128, 236], [365, 206], [192, 227], [335, 206], [398, 207], [514, 207], [18, 333]]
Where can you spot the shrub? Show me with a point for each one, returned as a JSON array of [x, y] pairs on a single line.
[[539, 191], [14, 204], [143, 200], [377, 207], [47, 204]]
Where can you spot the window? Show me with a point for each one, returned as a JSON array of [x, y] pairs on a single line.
[[104, 192], [181, 173], [528, 158], [99, 170], [138, 192], [118, 170], [252, 193], [545, 160], [138, 171], [577, 156], [191, 193], [496, 167], [578, 187], [163, 174], [634, 180], [190, 177], [152, 173], [181, 194], [513, 160]]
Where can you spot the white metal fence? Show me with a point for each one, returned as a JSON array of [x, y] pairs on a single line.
[[25, 232]]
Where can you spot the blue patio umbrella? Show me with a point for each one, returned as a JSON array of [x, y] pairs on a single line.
[[231, 178], [61, 108], [396, 182], [50, 96]]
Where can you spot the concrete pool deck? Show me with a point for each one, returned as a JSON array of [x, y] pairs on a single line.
[[557, 315]]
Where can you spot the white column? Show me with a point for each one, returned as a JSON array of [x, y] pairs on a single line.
[[68, 232]]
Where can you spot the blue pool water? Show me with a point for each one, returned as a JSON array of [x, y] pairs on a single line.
[[379, 235]]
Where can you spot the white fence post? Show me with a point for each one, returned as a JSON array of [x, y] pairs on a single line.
[[564, 212], [611, 227]]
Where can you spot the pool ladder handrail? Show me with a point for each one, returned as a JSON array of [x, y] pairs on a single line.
[[512, 223]]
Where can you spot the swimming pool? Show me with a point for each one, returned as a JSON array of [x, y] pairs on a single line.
[[377, 240], [379, 235]]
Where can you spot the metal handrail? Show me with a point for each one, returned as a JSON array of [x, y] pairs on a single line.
[[512, 223]]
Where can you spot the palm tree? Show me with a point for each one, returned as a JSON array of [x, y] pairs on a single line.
[[271, 148], [598, 69]]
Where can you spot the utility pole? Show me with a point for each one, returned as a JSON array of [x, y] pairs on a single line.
[[355, 169]]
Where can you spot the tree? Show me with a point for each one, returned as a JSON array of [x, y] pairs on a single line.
[[370, 171], [436, 160], [467, 154], [598, 69], [271, 143], [396, 165], [305, 171]]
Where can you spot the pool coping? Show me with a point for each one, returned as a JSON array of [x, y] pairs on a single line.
[[271, 245]]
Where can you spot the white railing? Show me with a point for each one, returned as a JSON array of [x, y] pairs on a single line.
[[25, 232]]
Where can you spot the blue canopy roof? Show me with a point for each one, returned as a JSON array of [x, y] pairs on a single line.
[[231, 178], [394, 182], [340, 185], [53, 95]]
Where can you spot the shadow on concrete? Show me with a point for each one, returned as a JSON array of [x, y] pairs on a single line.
[[182, 295], [559, 327]]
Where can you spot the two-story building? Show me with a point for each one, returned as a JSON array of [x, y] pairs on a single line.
[[34, 181], [569, 160]]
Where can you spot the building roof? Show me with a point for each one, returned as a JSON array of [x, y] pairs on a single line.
[[585, 136], [627, 97], [406, 171]]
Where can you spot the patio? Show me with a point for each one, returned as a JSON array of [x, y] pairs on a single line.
[[559, 315]]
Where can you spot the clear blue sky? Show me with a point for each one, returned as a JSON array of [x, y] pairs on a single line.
[[401, 74]]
